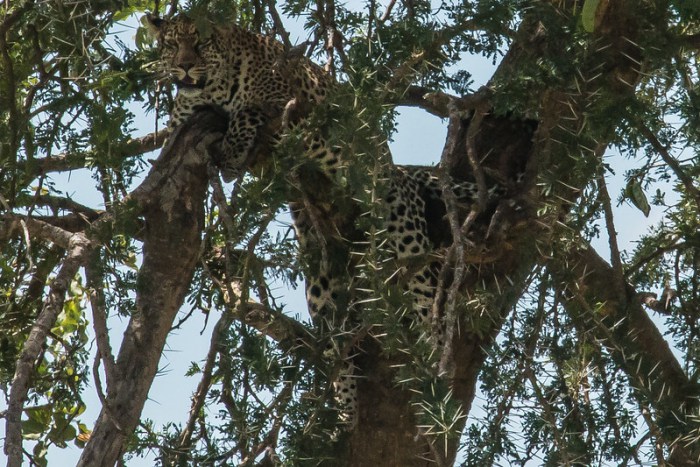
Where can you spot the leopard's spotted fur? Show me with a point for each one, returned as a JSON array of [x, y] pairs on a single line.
[[236, 70]]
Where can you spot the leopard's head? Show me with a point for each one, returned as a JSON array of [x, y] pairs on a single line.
[[186, 52]]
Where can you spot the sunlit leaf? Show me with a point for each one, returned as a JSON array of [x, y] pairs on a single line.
[[635, 193]]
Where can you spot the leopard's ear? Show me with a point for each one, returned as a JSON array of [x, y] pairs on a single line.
[[153, 23]]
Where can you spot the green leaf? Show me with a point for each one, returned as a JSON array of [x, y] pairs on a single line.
[[40, 414], [130, 261], [121, 15], [635, 194], [588, 14], [31, 429], [40, 451], [143, 38], [62, 431]]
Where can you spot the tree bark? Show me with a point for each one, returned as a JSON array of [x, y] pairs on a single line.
[[614, 69], [387, 433], [78, 247], [622, 325], [172, 197]]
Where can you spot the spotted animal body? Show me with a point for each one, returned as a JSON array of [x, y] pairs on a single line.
[[239, 72]]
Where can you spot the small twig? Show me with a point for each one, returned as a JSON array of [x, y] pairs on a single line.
[[387, 12], [101, 394], [95, 284], [686, 179], [269, 442], [655, 432], [619, 275], [673, 246], [199, 397], [59, 202], [549, 416], [432, 51]]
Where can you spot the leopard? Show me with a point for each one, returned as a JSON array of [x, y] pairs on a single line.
[[239, 72], [231, 68]]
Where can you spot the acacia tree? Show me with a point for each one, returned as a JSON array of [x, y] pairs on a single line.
[[561, 341]]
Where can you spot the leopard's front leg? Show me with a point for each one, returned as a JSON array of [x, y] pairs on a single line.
[[183, 108], [245, 128]]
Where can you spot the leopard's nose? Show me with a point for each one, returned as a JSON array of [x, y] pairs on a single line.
[[186, 65]]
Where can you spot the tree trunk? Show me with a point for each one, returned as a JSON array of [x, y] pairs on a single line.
[[386, 435]]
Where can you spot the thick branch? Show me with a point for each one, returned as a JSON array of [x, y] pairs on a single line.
[[36, 228], [277, 326], [635, 343], [173, 212], [11, 224], [444, 105]]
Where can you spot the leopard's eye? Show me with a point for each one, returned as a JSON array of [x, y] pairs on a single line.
[[202, 44], [170, 44]]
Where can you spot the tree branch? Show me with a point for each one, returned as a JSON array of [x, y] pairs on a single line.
[[65, 162], [199, 397], [635, 343], [432, 51], [95, 284], [37, 228], [671, 161], [442, 104], [78, 248], [172, 197], [277, 326], [59, 202]]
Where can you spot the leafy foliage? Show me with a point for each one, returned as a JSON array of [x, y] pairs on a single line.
[[551, 391]]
